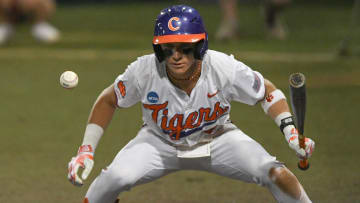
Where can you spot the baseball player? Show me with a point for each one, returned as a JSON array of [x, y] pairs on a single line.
[[185, 90]]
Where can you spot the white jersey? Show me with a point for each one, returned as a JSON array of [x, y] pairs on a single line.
[[178, 117]]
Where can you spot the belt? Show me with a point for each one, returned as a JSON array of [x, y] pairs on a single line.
[[218, 131]]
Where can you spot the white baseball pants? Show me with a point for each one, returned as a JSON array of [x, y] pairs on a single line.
[[148, 157]]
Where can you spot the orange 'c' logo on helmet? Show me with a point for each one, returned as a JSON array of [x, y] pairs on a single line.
[[170, 26]]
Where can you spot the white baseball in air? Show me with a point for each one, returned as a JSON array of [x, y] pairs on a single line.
[[69, 79]]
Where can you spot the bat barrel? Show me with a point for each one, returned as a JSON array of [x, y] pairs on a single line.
[[298, 104], [298, 99]]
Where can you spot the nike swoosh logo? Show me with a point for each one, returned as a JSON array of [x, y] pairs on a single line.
[[211, 95]]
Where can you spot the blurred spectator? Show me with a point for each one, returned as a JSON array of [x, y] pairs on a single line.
[[345, 48], [230, 25], [38, 12]]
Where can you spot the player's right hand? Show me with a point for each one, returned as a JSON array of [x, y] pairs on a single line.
[[85, 160]]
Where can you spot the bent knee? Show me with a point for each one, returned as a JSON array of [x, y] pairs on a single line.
[[120, 178], [286, 181]]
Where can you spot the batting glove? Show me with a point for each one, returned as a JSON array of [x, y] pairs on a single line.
[[85, 160], [293, 141]]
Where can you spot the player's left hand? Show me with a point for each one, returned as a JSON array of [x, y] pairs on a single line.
[[300, 152], [85, 160]]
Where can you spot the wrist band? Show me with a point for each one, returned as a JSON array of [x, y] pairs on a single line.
[[271, 99], [85, 148], [286, 122], [283, 120], [281, 116], [93, 133]]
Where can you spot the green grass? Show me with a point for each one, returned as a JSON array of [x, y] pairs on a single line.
[[42, 124]]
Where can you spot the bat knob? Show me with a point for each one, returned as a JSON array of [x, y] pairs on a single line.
[[302, 167]]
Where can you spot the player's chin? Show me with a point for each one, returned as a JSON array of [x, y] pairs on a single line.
[[178, 69], [178, 66]]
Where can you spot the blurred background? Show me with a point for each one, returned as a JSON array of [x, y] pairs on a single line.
[[42, 124]]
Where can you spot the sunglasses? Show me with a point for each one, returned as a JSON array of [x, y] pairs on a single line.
[[169, 51]]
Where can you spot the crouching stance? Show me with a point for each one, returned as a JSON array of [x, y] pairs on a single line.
[[185, 90]]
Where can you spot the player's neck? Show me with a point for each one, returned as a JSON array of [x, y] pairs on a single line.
[[187, 84]]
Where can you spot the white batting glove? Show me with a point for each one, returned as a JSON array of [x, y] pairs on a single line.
[[293, 141], [85, 160]]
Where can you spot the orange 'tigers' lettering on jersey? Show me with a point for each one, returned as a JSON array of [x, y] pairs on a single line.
[[196, 120]]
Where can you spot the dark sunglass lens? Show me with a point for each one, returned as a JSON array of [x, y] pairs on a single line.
[[188, 50], [168, 52]]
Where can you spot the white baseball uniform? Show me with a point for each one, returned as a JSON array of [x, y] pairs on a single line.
[[183, 132]]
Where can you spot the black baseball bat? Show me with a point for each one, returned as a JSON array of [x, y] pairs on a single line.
[[298, 105]]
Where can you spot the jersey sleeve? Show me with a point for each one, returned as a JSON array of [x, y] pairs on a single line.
[[247, 85], [126, 87]]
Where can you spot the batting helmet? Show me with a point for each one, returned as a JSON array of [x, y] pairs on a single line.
[[180, 23]]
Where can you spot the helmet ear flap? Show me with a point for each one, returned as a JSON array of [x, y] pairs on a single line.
[[198, 48], [159, 52]]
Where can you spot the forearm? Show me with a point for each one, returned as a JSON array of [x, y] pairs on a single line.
[[103, 109], [278, 107], [100, 117], [275, 105]]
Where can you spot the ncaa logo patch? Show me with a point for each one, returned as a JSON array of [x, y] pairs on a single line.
[[153, 97]]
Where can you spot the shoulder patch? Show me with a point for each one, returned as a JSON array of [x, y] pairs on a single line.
[[122, 88], [257, 83]]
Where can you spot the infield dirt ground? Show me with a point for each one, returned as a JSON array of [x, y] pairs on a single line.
[[42, 124]]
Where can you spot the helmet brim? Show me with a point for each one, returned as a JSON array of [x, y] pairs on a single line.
[[189, 38]]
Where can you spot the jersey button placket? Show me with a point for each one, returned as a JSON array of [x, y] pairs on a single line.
[[189, 104]]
